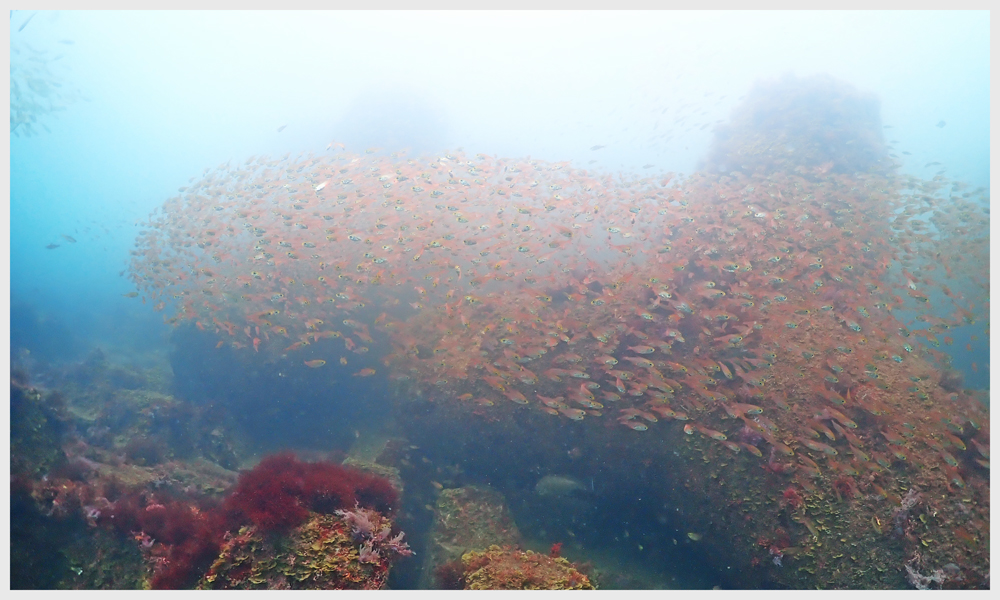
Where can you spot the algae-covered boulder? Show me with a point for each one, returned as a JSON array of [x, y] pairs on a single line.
[[467, 518], [327, 552], [506, 569]]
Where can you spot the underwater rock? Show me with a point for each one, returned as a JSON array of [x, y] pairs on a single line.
[[41, 335], [814, 122], [146, 451], [323, 553], [499, 568], [37, 424], [387, 472], [466, 518]]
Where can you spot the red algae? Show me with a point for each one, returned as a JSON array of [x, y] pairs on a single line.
[[181, 538], [281, 490]]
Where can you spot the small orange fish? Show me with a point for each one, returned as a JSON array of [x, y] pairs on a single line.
[[711, 433], [642, 349], [313, 364], [343, 360], [256, 344], [573, 413], [365, 373], [515, 396], [752, 449]]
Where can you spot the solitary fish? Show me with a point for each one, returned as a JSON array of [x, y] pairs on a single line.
[[25, 24], [592, 147], [314, 364], [282, 128], [67, 238], [558, 485], [52, 246]]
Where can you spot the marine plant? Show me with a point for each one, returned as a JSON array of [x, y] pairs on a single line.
[[182, 537], [280, 491]]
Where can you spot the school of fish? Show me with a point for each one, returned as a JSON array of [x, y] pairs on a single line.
[[756, 311], [39, 87]]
